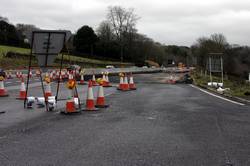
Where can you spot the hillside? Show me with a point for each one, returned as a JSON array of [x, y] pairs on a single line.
[[20, 59]]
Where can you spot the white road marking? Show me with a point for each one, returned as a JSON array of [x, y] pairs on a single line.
[[231, 101], [8, 82], [109, 94]]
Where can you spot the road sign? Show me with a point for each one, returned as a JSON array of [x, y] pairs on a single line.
[[214, 64], [46, 45]]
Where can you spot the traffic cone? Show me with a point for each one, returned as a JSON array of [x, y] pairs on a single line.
[[30, 74], [103, 80], [131, 83], [107, 78], [71, 101], [70, 105], [125, 85], [121, 83], [90, 104], [106, 83], [38, 73], [60, 79], [94, 81], [62, 74], [3, 91], [22, 92], [66, 75], [47, 90], [82, 80], [9, 75], [18, 74], [57, 75], [171, 80], [54, 75], [51, 76], [100, 102]]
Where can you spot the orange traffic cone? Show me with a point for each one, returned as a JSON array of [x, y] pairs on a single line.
[[171, 80], [54, 75], [22, 92], [82, 80], [106, 83], [70, 104], [121, 83], [59, 77], [47, 90], [30, 74], [9, 75], [18, 74], [131, 83], [94, 81], [125, 85], [51, 76], [100, 102], [71, 101], [3, 91], [90, 104]]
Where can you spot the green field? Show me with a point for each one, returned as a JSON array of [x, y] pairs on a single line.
[[5, 49], [86, 62]]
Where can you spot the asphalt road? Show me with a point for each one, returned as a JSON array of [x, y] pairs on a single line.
[[156, 125]]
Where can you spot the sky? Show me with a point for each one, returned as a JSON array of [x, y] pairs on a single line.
[[170, 22]]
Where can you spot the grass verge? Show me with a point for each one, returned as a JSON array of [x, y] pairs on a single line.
[[238, 88], [68, 59]]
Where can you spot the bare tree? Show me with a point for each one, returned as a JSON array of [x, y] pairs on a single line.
[[26, 29], [4, 19], [104, 31], [123, 22]]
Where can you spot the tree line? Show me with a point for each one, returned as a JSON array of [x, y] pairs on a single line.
[[117, 38]]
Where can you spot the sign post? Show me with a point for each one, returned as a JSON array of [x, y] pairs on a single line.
[[215, 65], [46, 45]]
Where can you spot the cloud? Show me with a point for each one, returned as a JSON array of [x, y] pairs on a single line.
[[178, 22]]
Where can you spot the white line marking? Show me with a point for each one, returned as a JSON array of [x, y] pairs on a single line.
[[109, 94], [8, 82], [234, 102]]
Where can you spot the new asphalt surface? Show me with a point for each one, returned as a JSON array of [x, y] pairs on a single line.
[[156, 125]]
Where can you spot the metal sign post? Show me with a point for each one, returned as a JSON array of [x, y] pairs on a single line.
[[46, 45], [215, 61]]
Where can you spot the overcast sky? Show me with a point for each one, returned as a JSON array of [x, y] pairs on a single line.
[[178, 22]]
